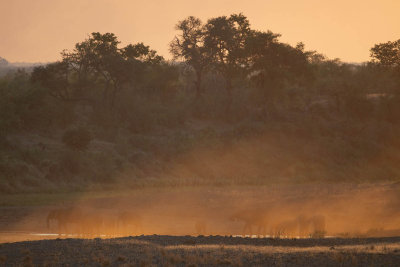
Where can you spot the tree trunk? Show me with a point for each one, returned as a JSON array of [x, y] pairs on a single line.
[[199, 93], [229, 95], [105, 94]]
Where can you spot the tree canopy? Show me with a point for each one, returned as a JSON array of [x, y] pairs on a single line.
[[189, 46], [387, 54], [96, 60], [225, 41]]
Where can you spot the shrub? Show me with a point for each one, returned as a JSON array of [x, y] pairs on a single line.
[[77, 139]]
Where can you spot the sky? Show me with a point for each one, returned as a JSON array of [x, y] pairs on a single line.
[[38, 30]]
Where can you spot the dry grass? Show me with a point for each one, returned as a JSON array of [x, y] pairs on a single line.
[[210, 251]]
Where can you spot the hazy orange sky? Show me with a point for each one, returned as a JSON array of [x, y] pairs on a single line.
[[38, 30]]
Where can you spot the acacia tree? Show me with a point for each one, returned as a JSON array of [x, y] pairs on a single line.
[[142, 53], [96, 61], [273, 64], [225, 41], [54, 77], [189, 46], [130, 66], [387, 54]]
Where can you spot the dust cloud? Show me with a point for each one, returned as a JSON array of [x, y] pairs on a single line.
[[233, 194], [277, 211]]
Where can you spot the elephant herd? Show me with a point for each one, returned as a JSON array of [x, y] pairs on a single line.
[[92, 222], [264, 224]]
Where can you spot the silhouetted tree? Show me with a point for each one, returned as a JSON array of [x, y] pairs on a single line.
[[93, 59], [142, 53], [99, 61], [274, 65], [99, 58], [55, 78], [225, 41], [189, 46], [387, 54]]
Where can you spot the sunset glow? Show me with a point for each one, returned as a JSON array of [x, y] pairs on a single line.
[[36, 31]]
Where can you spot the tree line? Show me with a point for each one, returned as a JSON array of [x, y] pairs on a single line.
[[221, 69], [227, 83]]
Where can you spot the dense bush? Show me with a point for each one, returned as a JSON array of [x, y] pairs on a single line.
[[262, 111], [77, 139]]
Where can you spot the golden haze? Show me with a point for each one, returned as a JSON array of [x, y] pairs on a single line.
[[36, 31]]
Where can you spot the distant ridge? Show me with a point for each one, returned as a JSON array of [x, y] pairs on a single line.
[[6, 63], [3, 62], [7, 67], [25, 64]]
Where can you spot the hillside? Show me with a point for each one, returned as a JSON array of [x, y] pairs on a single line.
[[106, 117]]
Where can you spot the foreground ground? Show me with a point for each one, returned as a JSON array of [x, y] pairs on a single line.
[[203, 251]]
